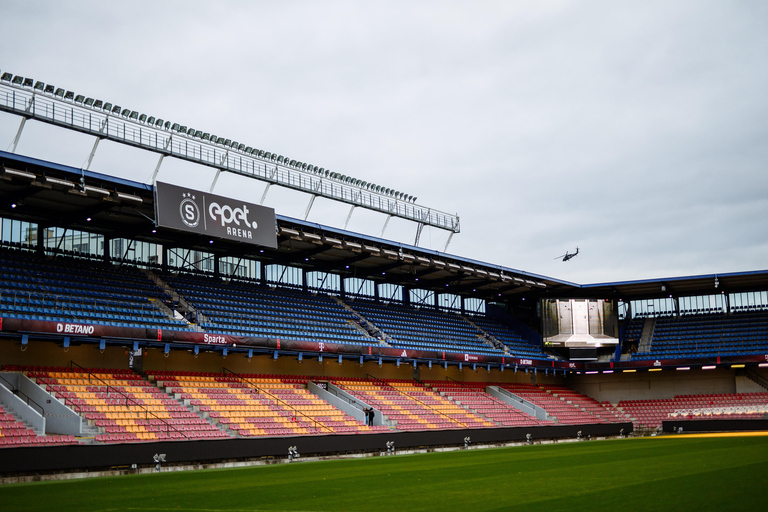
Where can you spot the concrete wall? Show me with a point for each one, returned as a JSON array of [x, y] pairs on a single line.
[[17, 406]]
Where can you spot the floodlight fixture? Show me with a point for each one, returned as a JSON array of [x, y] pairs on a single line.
[[6, 77], [69, 95], [167, 125], [214, 139], [116, 109], [227, 142], [159, 123], [39, 86], [59, 93], [143, 118], [249, 150], [134, 115], [17, 80], [49, 89], [175, 127], [89, 102], [125, 112], [79, 99], [28, 82], [206, 136], [151, 120]]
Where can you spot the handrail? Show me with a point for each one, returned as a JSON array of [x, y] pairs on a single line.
[[127, 398], [18, 392], [425, 405], [282, 402]]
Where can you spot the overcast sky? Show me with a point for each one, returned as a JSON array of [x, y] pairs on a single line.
[[637, 131]]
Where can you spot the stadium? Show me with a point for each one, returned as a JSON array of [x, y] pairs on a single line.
[[230, 234], [142, 319]]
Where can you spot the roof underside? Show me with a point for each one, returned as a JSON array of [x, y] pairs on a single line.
[[50, 195]]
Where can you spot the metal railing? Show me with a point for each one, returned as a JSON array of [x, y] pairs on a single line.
[[72, 115], [423, 404], [318, 426]]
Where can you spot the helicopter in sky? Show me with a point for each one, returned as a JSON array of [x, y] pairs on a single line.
[[568, 255]]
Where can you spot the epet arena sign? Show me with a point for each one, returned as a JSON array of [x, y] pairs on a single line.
[[194, 211]]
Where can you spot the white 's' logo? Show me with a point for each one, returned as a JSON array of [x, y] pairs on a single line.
[[189, 211]]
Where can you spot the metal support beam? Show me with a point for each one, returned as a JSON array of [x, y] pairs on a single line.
[[264, 195], [160, 160], [309, 206], [418, 234], [386, 222], [93, 153], [215, 179], [349, 216], [18, 135], [21, 125], [447, 243], [95, 145]]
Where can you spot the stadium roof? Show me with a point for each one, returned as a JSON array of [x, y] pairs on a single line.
[[52, 194]]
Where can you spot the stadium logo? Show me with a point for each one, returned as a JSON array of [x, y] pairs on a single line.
[[468, 358], [572, 365], [189, 211], [657, 363], [227, 215], [526, 361]]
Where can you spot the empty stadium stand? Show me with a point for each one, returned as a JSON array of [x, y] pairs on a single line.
[[80, 290], [257, 405], [124, 406], [409, 405], [473, 397], [707, 335], [649, 414], [15, 433], [248, 309]]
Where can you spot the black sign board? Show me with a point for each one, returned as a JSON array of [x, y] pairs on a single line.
[[194, 211]]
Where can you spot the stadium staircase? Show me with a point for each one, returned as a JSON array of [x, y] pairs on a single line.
[[248, 405], [409, 405], [472, 397], [185, 308], [364, 325], [122, 405]]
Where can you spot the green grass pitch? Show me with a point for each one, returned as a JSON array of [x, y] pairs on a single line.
[[654, 474]]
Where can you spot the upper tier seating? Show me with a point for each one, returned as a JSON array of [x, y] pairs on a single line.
[[515, 343], [78, 290], [247, 309], [410, 405], [258, 405], [708, 336], [124, 406], [429, 329]]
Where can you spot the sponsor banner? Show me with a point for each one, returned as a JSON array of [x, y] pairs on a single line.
[[76, 329], [185, 209], [226, 340]]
